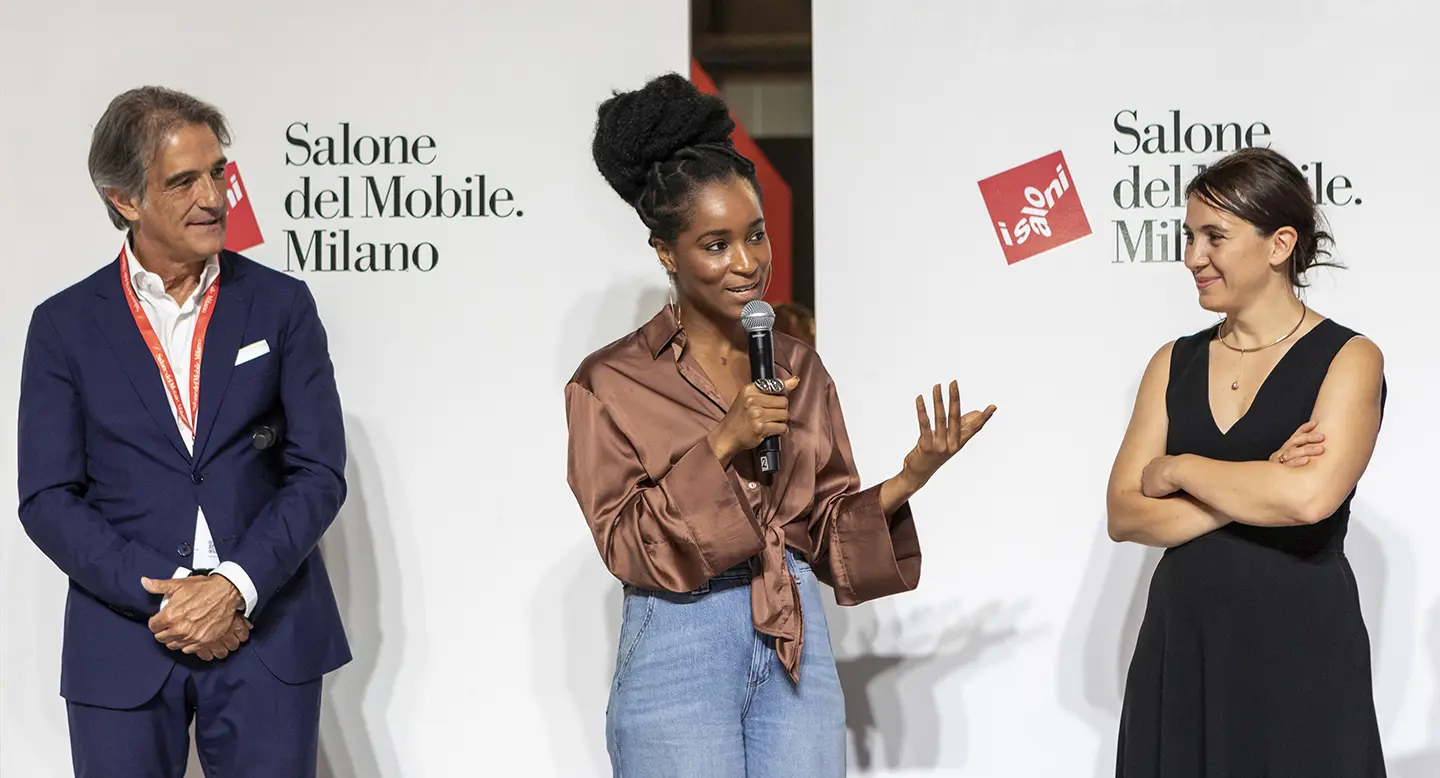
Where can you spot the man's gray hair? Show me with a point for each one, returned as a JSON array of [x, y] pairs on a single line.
[[128, 137]]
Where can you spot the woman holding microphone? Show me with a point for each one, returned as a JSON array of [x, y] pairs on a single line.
[[724, 666]]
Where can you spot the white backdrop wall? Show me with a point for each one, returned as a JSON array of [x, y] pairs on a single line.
[[481, 617], [1009, 660]]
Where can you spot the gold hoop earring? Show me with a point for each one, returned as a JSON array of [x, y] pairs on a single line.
[[674, 298]]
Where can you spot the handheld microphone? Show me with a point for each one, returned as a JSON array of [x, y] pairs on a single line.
[[758, 318]]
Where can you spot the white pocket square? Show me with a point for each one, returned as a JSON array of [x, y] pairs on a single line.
[[253, 351]]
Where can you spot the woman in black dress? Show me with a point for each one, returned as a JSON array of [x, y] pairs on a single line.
[[1241, 458]]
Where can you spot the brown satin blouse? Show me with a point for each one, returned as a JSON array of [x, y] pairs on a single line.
[[666, 515]]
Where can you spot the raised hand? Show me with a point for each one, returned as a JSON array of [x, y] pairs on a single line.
[[950, 432]]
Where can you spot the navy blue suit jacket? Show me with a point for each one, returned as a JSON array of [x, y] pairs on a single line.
[[109, 493]]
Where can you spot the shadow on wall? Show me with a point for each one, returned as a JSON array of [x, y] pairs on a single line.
[[1100, 637], [591, 607], [1380, 558], [601, 319], [893, 671], [359, 553], [588, 601], [1385, 573], [1426, 764]]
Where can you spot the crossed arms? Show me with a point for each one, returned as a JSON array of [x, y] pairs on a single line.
[[1159, 500]]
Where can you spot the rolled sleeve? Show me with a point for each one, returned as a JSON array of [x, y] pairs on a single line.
[[861, 552], [872, 556]]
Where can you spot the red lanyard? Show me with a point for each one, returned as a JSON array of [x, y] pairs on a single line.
[[197, 345]]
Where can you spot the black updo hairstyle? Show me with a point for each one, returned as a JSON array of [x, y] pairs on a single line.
[[658, 145], [1264, 188]]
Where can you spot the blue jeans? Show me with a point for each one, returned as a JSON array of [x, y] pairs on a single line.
[[698, 693]]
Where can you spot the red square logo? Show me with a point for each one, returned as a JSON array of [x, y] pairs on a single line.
[[242, 231], [1034, 207]]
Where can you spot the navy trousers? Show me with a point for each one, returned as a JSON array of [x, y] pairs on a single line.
[[248, 724]]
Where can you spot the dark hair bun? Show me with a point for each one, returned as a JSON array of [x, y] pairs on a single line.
[[637, 129], [1262, 187]]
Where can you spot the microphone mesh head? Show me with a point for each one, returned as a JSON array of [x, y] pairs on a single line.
[[757, 315]]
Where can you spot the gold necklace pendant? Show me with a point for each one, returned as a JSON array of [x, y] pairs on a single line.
[[1235, 385]]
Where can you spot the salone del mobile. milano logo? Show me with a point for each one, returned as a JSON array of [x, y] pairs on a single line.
[[1161, 153], [348, 183], [1034, 207]]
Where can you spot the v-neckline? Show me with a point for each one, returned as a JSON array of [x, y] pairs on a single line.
[[1264, 382]]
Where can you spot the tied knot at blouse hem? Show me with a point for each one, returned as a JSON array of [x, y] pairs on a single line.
[[665, 514]]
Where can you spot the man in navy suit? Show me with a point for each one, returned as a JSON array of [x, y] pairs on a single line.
[[182, 451]]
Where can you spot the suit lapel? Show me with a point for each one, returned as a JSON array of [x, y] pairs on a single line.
[[118, 327], [222, 343]]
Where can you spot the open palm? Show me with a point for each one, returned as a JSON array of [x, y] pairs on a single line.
[[950, 432]]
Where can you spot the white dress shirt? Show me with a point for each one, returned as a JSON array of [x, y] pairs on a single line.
[[174, 325]]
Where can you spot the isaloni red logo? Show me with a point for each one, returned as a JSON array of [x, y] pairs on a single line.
[[1034, 207], [242, 231]]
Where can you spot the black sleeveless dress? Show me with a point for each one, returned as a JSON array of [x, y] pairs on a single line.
[[1253, 660]]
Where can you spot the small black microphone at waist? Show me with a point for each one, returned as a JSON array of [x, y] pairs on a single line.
[[267, 435]]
